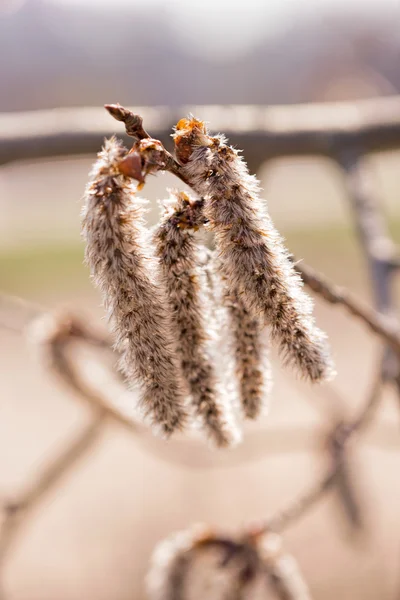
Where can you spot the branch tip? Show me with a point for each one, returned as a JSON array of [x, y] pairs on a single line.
[[133, 122]]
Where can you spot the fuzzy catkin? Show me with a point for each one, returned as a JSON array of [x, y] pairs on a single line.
[[253, 258], [285, 577], [197, 564], [123, 269], [246, 342], [253, 368], [178, 255]]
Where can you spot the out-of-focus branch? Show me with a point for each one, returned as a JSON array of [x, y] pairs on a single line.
[[374, 236], [381, 325], [17, 313], [17, 511], [54, 334], [339, 441], [265, 132], [379, 250]]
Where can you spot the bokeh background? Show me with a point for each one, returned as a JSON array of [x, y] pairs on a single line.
[[92, 537]]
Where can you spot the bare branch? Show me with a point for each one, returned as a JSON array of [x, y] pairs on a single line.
[[52, 333], [380, 252], [264, 132], [18, 511], [153, 154], [133, 122], [383, 326], [340, 439]]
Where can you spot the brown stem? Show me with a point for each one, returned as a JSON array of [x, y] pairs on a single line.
[[133, 122]]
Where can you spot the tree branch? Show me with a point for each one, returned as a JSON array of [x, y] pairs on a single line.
[[18, 511], [379, 250], [340, 438], [263, 132], [55, 334], [383, 326]]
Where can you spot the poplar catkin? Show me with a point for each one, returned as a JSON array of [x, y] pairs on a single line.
[[178, 255], [253, 258], [121, 265], [247, 343], [253, 368]]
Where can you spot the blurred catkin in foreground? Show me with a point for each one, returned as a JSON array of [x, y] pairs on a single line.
[[198, 563]]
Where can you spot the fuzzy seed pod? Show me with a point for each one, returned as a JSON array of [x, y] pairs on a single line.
[[253, 258], [178, 255], [122, 267]]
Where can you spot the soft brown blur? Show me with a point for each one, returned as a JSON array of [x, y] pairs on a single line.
[[93, 535]]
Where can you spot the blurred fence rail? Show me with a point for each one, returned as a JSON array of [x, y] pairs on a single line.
[[262, 132]]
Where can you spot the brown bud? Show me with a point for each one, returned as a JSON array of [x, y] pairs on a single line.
[[187, 133], [131, 166]]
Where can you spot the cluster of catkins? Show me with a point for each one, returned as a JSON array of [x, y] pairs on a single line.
[[171, 301]]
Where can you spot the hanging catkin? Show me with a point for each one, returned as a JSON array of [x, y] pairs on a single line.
[[253, 368], [178, 255], [247, 343], [252, 256], [122, 267]]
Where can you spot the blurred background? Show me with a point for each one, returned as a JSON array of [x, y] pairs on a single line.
[[92, 537]]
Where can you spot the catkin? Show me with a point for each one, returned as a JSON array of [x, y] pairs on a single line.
[[253, 368], [125, 272], [253, 258], [285, 577], [246, 342], [198, 564], [178, 256]]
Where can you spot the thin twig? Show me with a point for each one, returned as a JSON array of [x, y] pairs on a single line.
[[379, 324], [134, 128]]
